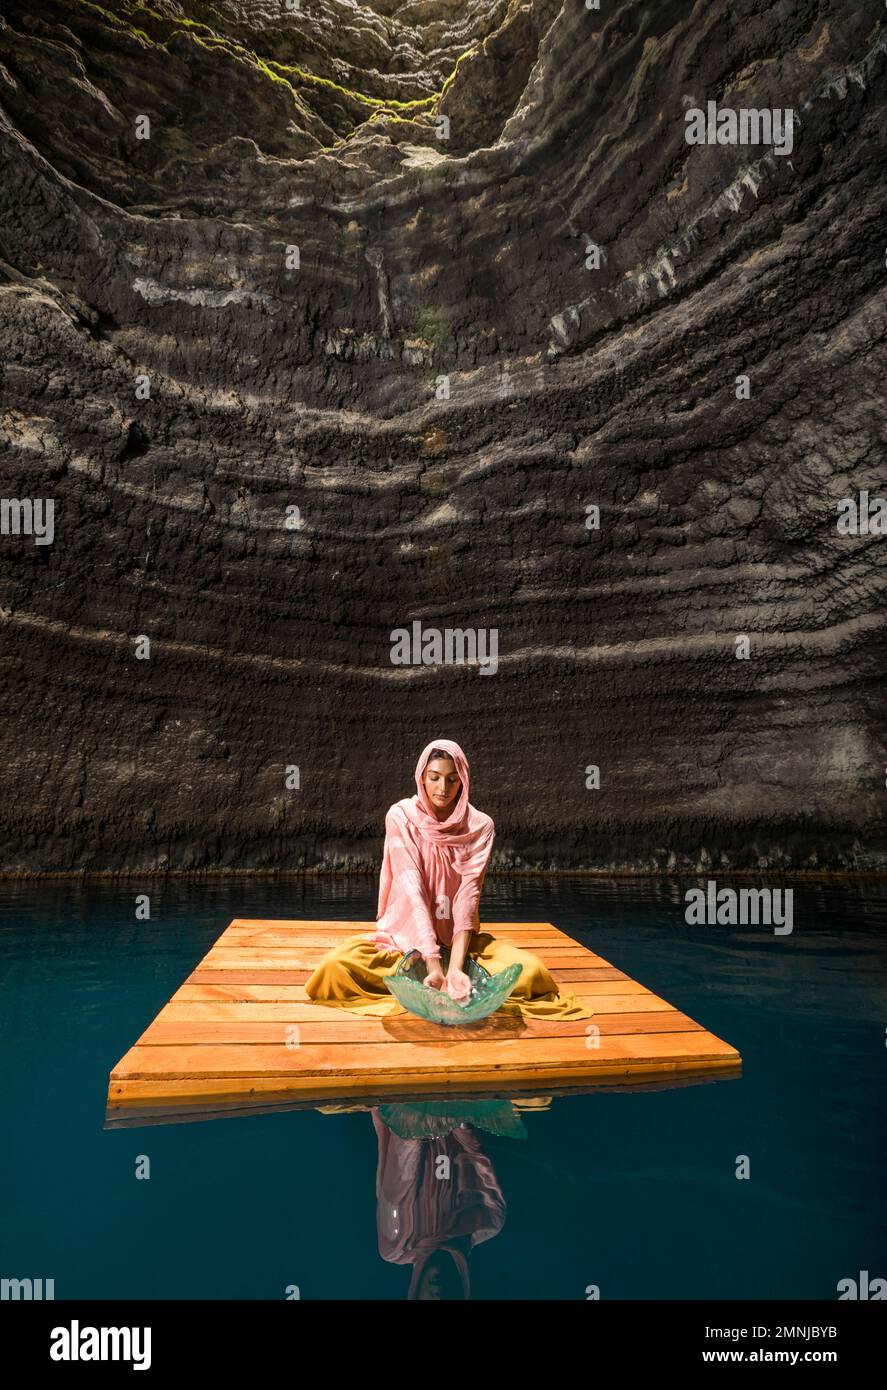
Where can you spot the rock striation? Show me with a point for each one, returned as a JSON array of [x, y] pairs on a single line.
[[323, 320]]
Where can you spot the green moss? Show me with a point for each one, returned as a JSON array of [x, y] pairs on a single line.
[[433, 325], [115, 19], [374, 103], [106, 14], [176, 19], [283, 74], [452, 77]]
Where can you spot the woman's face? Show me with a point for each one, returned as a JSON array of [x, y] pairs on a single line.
[[441, 782]]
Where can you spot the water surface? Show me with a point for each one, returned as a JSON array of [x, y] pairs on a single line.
[[633, 1192]]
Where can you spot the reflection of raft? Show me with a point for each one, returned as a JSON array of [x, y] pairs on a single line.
[[242, 1026]]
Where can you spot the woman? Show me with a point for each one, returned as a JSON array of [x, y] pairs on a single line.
[[437, 846]]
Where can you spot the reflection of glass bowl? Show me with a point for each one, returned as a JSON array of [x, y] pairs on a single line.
[[487, 991], [435, 1118]]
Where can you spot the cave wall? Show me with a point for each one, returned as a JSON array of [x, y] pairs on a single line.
[[491, 324]]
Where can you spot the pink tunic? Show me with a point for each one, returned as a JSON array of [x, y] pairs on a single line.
[[424, 900]]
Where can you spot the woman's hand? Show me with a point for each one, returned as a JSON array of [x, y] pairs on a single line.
[[434, 976], [458, 985]]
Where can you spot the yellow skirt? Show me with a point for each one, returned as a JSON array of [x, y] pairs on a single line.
[[352, 975]]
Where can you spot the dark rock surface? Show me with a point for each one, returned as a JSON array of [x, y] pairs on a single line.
[[164, 261]]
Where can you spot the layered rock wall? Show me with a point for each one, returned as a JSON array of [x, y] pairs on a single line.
[[443, 277]]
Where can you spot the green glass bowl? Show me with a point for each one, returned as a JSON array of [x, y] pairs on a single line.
[[487, 991]]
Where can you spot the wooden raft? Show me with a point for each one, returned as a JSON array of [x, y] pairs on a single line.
[[225, 1032]]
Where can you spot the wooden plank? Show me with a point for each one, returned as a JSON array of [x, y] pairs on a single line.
[[217, 1010], [297, 958], [270, 1059], [366, 1030], [316, 936], [365, 924], [591, 972], [341, 930], [283, 974], [280, 946], [236, 990], [433, 1082]]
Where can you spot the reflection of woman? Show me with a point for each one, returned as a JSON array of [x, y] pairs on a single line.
[[436, 1200], [437, 846]]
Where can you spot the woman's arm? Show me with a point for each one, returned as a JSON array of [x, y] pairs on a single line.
[[458, 983], [459, 949], [411, 903], [467, 897], [465, 917]]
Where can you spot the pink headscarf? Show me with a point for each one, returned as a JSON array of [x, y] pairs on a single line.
[[466, 828]]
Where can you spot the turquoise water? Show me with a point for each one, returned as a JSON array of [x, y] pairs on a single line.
[[635, 1193]]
